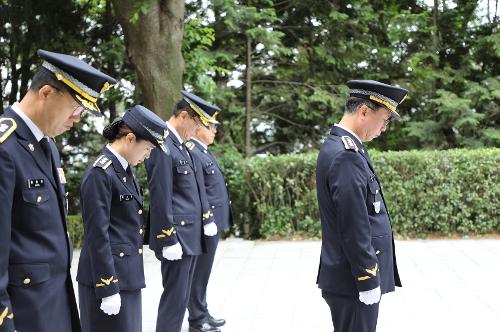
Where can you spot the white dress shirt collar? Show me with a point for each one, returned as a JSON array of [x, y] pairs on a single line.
[[202, 144], [122, 160], [31, 125], [350, 132], [172, 130]]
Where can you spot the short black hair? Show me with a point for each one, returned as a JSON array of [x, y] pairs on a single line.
[[353, 103], [184, 106], [46, 77]]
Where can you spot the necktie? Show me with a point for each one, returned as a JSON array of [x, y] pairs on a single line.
[[45, 145], [131, 176]]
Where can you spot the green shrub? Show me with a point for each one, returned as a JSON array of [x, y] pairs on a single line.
[[75, 229], [427, 192]]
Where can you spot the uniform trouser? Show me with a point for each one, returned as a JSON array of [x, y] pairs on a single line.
[[351, 315], [93, 319], [177, 277], [197, 306]]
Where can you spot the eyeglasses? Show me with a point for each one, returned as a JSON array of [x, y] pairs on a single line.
[[79, 110], [386, 121]]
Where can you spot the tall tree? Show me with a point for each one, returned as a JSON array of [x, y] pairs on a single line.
[[153, 35]]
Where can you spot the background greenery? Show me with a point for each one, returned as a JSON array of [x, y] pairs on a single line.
[[278, 68], [453, 192]]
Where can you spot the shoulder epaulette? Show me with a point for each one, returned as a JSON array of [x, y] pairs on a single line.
[[102, 162], [190, 145], [349, 143], [7, 127]]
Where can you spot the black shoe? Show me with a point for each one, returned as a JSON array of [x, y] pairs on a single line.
[[216, 322], [205, 327]]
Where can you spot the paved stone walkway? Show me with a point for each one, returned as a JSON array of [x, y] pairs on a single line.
[[449, 285]]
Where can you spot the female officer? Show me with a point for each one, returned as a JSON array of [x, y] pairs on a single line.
[[110, 271]]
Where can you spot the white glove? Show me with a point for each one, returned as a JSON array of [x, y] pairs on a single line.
[[371, 296], [172, 253], [111, 304], [210, 229]]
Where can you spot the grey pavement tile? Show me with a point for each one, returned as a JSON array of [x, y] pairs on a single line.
[[448, 285]]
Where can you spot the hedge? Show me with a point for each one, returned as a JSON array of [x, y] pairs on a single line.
[[427, 192]]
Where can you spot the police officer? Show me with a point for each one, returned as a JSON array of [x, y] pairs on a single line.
[[110, 271], [36, 292], [358, 261], [178, 216], [217, 196]]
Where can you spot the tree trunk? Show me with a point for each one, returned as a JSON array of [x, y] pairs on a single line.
[[154, 47], [435, 43], [108, 26], [248, 97]]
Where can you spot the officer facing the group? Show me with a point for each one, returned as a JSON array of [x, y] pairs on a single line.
[[36, 292], [358, 261], [178, 216], [217, 196], [110, 271]]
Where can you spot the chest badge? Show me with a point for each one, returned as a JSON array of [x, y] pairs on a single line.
[[62, 177], [125, 198], [35, 183]]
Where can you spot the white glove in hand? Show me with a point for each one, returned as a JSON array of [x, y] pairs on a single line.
[[371, 296], [173, 253], [111, 304], [210, 229]]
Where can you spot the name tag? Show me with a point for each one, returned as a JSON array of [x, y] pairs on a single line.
[[183, 162], [126, 198], [36, 183], [209, 164], [62, 178]]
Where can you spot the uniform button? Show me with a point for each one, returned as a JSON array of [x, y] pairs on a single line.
[[140, 211], [213, 171], [230, 202], [185, 172], [122, 254], [213, 206], [226, 184], [38, 199], [141, 231], [27, 281], [175, 232], [140, 251], [183, 223]]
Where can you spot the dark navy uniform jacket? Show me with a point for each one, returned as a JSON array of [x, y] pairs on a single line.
[[36, 293], [357, 252], [215, 185], [177, 213], [112, 210]]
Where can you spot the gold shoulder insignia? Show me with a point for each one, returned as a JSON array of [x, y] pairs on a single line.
[[7, 127], [349, 143], [190, 145], [102, 162]]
